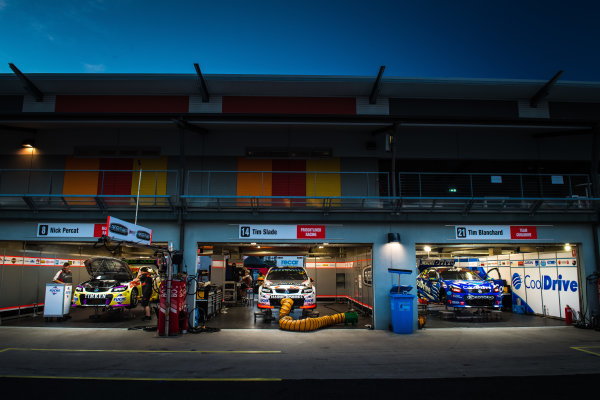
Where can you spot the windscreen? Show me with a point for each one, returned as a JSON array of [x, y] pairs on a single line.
[[107, 268], [459, 275], [287, 274]]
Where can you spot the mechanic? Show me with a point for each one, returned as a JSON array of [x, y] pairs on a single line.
[[64, 275], [145, 279], [246, 282]]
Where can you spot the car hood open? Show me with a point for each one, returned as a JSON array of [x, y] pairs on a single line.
[[106, 265]]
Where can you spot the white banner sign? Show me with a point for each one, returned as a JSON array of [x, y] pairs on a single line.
[[60, 229], [122, 230], [282, 232], [482, 232]]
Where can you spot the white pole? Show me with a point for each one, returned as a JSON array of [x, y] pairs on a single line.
[[137, 201]]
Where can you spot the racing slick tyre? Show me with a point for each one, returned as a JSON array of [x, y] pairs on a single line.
[[443, 299], [133, 299]]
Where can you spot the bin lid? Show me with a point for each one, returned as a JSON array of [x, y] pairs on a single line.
[[399, 271]]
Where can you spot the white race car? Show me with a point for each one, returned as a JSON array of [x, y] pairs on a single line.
[[287, 282]]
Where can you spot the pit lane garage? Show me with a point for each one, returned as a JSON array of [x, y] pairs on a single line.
[[27, 267], [497, 284], [321, 278], [338, 277]]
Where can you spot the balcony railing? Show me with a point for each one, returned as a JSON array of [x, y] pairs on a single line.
[[320, 191]]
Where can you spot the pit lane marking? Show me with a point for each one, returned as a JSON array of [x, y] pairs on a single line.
[[147, 351], [101, 378], [584, 349]]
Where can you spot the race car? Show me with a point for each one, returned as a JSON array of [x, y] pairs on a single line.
[[287, 282], [458, 288], [111, 285]]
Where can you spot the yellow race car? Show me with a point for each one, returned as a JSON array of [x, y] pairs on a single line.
[[111, 286]]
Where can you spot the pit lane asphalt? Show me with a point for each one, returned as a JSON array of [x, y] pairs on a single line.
[[518, 362], [247, 354]]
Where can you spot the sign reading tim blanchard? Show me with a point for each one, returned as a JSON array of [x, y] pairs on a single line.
[[495, 232]]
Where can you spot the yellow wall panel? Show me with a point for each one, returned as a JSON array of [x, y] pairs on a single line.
[[319, 184], [154, 179]]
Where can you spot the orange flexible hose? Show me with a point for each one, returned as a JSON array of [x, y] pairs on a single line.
[[308, 324]]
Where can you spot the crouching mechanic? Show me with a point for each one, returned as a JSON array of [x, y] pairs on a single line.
[[145, 279]]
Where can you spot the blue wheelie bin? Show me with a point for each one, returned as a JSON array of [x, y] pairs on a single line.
[[401, 303]]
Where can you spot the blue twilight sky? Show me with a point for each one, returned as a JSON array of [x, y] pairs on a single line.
[[520, 39]]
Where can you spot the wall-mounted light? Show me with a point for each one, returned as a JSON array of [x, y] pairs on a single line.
[[567, 247], [28, 144], [393, 237], [427, 249]]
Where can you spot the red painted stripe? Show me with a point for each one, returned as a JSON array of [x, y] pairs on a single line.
[[18, 307], [289, 105], [288, 184], [122, 104], [346, 297]]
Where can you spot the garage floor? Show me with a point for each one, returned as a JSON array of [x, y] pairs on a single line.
[[231, 317], [242, 317], [440, 317]]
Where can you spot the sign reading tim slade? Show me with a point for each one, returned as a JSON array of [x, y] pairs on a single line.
[[281, 231], [122, 230], [495, 232]]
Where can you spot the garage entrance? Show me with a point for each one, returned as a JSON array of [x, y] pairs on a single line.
[[26, 267], [539, 282], [341, 275]]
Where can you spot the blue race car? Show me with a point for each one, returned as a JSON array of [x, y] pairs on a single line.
[[458, 287]]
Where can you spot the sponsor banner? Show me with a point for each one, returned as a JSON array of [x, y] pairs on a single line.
[[289, 261], [523, 232], [330, 265], [118, 229], [495, 232], [36, 261], [262, 232], [431, 262], [69, 230], [311, 232]]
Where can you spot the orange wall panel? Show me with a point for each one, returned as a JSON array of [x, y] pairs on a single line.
[[81, 182], [254, 183]]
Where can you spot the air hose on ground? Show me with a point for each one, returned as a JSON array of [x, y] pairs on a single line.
[[310, 324]]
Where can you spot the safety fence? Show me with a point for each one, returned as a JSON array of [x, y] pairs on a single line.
[[296, 191]]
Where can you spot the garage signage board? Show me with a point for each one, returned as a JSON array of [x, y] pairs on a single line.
[[118, 229], [495, 232], [66, 230], [281, 232]]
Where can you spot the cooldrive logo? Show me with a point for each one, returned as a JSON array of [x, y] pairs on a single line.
[[545, 283], [516, 281]]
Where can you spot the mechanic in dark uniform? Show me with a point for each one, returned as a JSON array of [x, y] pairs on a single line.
[[64, 276], [145, 279]]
